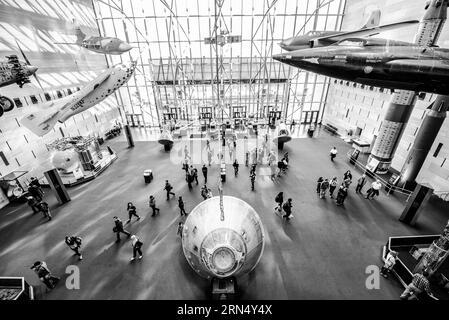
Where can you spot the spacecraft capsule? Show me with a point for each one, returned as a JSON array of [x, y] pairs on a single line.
[[223, 240]]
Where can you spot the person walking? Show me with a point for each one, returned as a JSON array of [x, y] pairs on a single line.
[[333, 153], [347, 182], [332, 186], [341, 195], [190, 179], [132, 211], [181, 206], [44, 274], [236, 167], [74, 243], [137, 247], [318, 184], [324, 186], [374, 190], [347, 175], [419, 284], [168, 188], [45, 209], [118, 228], [252, 177], [288, 209], [279, 199], [204, 170], [360, 183], [153, 205], [180, 227]]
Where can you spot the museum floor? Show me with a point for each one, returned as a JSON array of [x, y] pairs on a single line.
[[322, 253]]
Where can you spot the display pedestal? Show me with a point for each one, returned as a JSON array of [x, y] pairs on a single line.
[[224, 289]]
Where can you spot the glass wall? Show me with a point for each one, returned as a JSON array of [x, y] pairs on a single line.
[[178, 58]]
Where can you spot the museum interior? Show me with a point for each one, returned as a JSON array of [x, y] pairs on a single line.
[[224, 150]]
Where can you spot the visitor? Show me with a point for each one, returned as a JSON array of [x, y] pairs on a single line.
[[374, 190], [333, 153], [132, 211], [204, 170], [341, 195], [318, 184], [118, 228], [209, 156], [347, 175], [236, 167], [288, 209], [74, 243], [332, 186], [205, 192], [33, 203], [347, 182], [360, 183], [323, 187], [168, 188], [44, 274], [390, 261], [195, 175], [180, 227], [279, 199], [137, 247], [419, 284], [34, 192], [252, 177], [153, 205], [45, 209], [181, 206]]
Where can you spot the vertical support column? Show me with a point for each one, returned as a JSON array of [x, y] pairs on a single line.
[[129, 136], [56, 184], [402, 102], [424, 140], [416, 203]]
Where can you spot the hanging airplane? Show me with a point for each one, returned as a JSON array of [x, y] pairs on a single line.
[[377, 62], [314, 39], [105, 45], [43, 120], [12, 70]]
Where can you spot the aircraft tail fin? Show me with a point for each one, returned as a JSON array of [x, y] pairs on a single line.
[[41, 121], [373, 19], [80, 36]]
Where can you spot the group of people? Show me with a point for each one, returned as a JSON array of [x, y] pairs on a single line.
[[281, 206]]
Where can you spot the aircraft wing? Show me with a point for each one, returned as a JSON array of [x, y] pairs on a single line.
[[45, 118], [367, 32]]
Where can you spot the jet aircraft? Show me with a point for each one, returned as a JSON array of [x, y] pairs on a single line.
[[377, 62]]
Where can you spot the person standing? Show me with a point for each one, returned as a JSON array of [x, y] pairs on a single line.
[[119, 228], [236, 167], [195, 175], [153, 205], [252, 177], [137, 247], [332, 185], [318, 184], [347, 175], [180, 227], [287, 209], [204, 170], [44, 274], [374, 190], [419, 284], [279, 199], [74, 243], [324, 186], [360, 183], [181, 206], [132, 211], [333, 153], [341, 195], [205, 192], [168, 188], [390, 261]]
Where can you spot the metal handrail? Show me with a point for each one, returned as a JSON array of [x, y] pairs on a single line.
[[400, 190]]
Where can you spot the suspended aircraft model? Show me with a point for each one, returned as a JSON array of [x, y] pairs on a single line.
[[12, 70], [105, 45], [314, 39], [44, 119], [377, 62]]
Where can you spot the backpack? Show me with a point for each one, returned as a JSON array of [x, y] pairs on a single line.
[[286, 207], [78, 240]]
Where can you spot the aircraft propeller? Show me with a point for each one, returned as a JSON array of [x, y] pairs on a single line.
[[28, 63]]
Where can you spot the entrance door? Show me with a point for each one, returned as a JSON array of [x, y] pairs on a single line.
[[310, 117]]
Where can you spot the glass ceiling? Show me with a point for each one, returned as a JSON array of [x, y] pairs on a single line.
[[183, 73]]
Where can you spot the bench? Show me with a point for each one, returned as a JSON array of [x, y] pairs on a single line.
[[332, 129]]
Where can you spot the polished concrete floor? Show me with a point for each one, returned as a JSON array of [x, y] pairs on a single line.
[[322, 253]]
